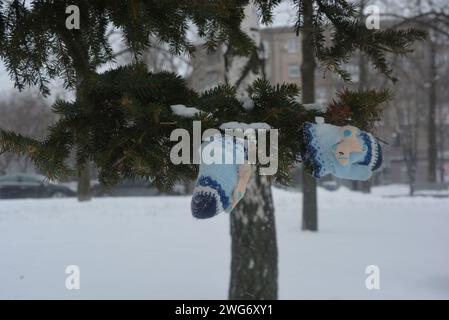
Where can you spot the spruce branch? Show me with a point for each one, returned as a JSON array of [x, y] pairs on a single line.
[[348, 34], [124, 130]]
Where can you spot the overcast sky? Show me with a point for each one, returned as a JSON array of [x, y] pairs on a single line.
[[283, 15]]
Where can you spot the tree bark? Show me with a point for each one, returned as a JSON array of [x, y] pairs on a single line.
[[254, 272], [365, 186], [432, 150], [309, 203], [310, 207], [83, 191], [254, 265]]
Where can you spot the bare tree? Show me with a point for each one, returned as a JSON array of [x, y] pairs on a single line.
[[434, 17], [254, 265], [28, 114], [408, 136], [308, 67]]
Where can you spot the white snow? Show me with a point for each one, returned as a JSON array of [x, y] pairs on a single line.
[[245, 126], [284, 15], [151, 248], [247, 103], [322, 107], [185, 112]]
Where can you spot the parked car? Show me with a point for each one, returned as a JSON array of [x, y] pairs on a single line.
[[134, 188], [127, 188], [31, 186], [330, 185]]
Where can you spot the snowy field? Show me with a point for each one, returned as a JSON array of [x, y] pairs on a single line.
[[151, 248]]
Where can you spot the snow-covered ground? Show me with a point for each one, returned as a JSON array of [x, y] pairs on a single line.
[[151, 248]]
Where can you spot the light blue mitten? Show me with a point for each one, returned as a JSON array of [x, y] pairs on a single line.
[[345, 152], [220, 186]]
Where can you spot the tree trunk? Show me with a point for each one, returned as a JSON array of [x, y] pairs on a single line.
[[432, 151], [310, 207], [354, 185], [365, 186], [253, 235], [254, 265], [83, 192], [309, 203]]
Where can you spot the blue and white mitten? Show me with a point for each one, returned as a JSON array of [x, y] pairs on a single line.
[[345, 152], [220, 186]]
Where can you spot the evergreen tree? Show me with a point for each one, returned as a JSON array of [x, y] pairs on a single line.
[[308, 66], [121, 120]]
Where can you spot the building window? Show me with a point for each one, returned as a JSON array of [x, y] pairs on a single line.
[[211, 80], [266, 49], [353, 71], [293, 71], [292, 45], [212, 57], [396, 137], [321, 95]]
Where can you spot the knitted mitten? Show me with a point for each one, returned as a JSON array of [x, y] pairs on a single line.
[[221, 186], [346, 152]]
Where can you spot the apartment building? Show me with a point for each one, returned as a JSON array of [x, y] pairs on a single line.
[[404, 123]]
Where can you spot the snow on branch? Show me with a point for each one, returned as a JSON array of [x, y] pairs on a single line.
[[244, 126], [316, 107], [247, 103], [185, 112]]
